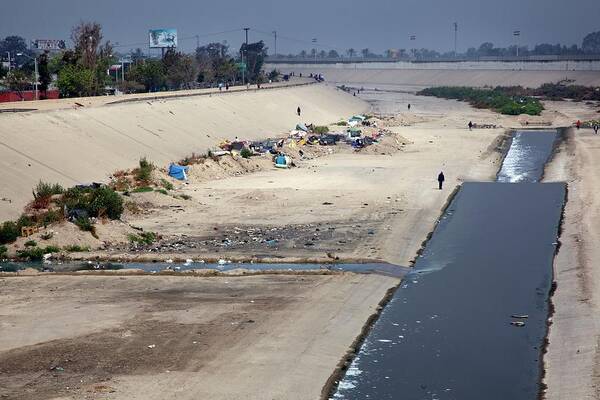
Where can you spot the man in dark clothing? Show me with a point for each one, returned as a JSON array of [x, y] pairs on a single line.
[[470, 125], [409, 107], [298, 111], [441, 180], [596, 128]]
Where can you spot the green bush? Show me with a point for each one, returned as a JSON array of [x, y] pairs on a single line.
[[143, 238], [144, 172], [36, 253], [162, 191], [9, 232], [76, 198], [342, 123], [24, 221], [30, 243], [505, 100], [246, 153], [108, 200], [33, 254], [43, 190], [51, 249], [77, 249], [50, 217], [3, 251]]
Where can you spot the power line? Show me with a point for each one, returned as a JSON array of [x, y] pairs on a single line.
[[308, 42], [185, 38]]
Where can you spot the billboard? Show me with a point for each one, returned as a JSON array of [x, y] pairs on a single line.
[[49, 44], [163, 38]]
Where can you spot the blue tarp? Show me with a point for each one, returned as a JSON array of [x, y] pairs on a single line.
[[178, 172], [280, 160]]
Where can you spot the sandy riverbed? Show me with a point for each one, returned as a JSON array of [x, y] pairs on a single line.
[[172, 337]]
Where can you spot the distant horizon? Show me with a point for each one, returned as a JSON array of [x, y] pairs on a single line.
[[335, 25]]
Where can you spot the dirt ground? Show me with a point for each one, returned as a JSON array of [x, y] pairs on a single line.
[[174, 337]]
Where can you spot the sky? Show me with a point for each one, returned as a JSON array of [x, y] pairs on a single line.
[[336, 24]]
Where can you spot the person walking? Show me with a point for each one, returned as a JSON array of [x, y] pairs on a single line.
[[298, 111], [441, 179], [578, 124], [470, 125], [596, 127], [408, 106]]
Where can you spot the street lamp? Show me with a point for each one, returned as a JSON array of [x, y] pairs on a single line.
[[8, 52], [516, 34], [35, 60]]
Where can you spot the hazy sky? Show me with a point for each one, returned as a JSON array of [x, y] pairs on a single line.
[[339, 24]]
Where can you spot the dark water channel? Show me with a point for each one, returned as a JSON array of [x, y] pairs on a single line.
[[447, 332]]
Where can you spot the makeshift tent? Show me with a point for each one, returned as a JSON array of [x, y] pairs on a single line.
[[178, 172], [282, 161], [301, 127], [359, 118]]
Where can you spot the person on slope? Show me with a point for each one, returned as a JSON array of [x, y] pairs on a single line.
[[441, 179]]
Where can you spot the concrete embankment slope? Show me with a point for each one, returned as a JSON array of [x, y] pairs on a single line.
[[419, 78], [88, 144]]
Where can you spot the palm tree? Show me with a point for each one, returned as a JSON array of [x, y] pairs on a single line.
[[365, 53], [351, 52]]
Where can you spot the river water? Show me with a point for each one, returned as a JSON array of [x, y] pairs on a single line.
[[447, 332]]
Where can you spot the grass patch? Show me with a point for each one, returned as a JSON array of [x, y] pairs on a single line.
[[85, 224], [166, 184], [185, 196], [162, 191], [502, 100], [75, 248], [30, 243], [321, 129], [143, 238], [143, 189], [36, 253]]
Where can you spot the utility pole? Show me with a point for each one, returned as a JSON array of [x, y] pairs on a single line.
[[516, 34], [275, 35], [243, 66], [455, 37], [315, 42], [8, 52], [35, 60]]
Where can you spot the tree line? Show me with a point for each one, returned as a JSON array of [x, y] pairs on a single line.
[[589, 45], [84, 69]]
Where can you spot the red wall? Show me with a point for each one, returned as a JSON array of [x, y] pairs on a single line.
[[6, 97]]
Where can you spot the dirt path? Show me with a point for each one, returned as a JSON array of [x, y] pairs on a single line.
[[573, 360]]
